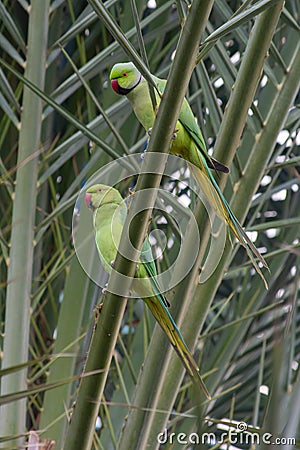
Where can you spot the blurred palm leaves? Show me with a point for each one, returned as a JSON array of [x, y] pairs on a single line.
[[249, 336]]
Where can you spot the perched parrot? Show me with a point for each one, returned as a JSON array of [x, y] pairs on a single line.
[[109, 214], [188, 143]]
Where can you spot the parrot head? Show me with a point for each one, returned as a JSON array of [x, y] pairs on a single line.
[[124, 77], [100, 194]]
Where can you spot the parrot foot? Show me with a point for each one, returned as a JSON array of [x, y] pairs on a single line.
[[175, 134], [149, 131], [104, 289]]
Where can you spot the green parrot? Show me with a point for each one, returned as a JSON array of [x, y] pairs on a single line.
[[188, 143], [109, 214]]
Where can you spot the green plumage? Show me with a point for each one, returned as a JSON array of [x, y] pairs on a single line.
[[188, 143], [109, 214]]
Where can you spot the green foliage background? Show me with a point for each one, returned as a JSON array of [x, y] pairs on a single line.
[[245, 337]]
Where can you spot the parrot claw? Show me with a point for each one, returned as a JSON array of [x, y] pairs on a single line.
[[104, 289], [144, 151], [175, 135], [112, 263], [149, 131]]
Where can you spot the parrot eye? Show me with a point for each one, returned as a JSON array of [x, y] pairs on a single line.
[[125, 74]]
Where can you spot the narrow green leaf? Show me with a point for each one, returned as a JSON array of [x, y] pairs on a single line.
[[240, 19], [11, 27], [66, 114]]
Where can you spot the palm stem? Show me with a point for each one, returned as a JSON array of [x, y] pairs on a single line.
[[17, 318]]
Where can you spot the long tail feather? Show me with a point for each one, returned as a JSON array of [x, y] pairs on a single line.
[[168, 325], [212, 191]]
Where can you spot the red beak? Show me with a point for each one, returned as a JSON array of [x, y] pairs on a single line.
[[88, 199], [115, 85]]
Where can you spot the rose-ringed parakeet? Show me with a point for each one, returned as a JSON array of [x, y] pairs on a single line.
[[188, 143], [109, 214]]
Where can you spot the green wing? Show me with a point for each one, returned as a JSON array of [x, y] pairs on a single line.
[[189, 123]]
